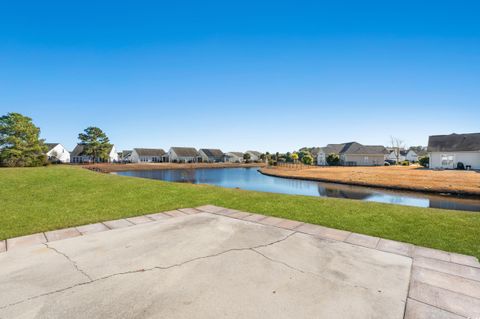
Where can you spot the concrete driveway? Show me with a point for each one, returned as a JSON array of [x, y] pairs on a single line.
[[202, 266]]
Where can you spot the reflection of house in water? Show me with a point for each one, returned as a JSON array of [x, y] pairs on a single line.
[[342, 191]]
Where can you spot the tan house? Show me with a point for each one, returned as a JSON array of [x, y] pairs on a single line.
[[353, 154]]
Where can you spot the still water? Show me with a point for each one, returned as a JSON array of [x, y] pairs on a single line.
[[251, 179]]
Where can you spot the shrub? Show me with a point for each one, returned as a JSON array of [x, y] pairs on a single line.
[[307, 159], [460, 166], [424, 161], [405, 163], [333, 159]]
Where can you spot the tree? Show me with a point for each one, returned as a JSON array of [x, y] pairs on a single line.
[[307, 159], [397, 145], [20, 143], [96, 143], [424, 161], [333, 159], [294, 157], [247, 157]]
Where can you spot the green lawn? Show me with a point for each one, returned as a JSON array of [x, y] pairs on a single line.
[[39, 199]]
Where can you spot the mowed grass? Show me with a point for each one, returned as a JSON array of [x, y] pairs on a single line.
[[39, 199]]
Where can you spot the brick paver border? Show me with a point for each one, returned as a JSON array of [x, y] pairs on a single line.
[[442, 284]]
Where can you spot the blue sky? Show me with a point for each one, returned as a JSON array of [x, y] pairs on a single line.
[[266, 75]]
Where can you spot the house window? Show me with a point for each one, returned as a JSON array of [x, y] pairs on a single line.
[[447, 160], [365, 159]]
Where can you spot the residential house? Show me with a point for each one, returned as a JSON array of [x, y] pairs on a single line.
[[78, 155], [182, 155], [403, 155], [353, 154], [234, 157], [125, 156], [209, 155], [57, 153], [323, 153], [254, 155], [447, 151], [147, 155]]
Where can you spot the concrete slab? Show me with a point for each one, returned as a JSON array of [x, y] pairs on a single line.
[[464, 260], [417, 310], [254, 217], [240, 215], [210, 208], [118, 223], [34, 271], [190, 211], [446, 281], [431, 253], [362, 240], [3, 246], [26, 241], [335, 234], [92, 228], [159, 216], [289, 224], [62, 234], [175, 213], [448, 267], [395, 247], [272, 221], [164, 269], [444, 299], [139, 220]]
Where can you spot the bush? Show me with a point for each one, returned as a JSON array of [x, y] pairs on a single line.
[[307, 159], [460, 166], [333, 159], [405, 163], [424, 161]]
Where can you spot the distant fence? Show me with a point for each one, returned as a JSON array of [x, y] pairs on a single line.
[[297, 166]]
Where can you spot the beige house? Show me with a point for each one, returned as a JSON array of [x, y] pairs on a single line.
[[353, 154]]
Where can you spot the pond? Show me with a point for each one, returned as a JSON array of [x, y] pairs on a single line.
[[251, 179]]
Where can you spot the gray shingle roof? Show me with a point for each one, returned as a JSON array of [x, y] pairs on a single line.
[[238, 154], [254, 153], [185, 151], [454, 143], [78, 150], [150, 152], [212, 152], [357, 148]]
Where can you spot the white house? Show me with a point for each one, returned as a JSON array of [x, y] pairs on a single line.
[[447, 151], [147, 155], [254, 155], [323, 153], [211, 155], [57, 153], [234, 157], [182, 155], [403, 155], [78, 155]]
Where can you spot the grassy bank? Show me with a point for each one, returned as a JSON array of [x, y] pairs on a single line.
[[40, 199]]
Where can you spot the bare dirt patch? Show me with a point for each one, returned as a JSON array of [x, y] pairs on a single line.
[[413, 178], [110, 167]]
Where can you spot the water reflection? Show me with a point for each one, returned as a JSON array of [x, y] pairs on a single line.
[[251, 179]]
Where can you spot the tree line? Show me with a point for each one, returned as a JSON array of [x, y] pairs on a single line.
[[21, 145]]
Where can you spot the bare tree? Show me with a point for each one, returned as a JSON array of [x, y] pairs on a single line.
[[397, 145]]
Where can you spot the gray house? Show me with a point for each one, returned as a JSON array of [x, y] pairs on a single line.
[[78, 155], [182, 155], [353, 154], [147, 155], [234, 157], [210, 155], [447, 151]]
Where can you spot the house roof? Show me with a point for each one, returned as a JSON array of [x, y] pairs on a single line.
[[237, 154], [78, 150], [150, 152], [212, 152], [454, 143], [332, 148], [357, 148], [254, 153], [185, 151], [126, 153], [50, 146]]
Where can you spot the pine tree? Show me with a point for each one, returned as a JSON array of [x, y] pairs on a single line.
[[96, 143]]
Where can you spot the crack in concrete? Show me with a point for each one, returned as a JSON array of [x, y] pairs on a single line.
[[307, 272], [70, 260], [137, 271]]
